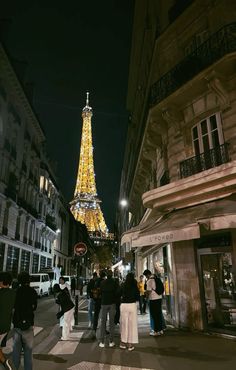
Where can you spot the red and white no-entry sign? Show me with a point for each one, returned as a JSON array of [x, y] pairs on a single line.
[[80, 249]]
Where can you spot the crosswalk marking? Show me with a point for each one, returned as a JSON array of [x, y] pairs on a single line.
[[67, 347], [98, 366], [64, 348]]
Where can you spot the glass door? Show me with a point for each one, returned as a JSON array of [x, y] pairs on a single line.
[[219, 290]]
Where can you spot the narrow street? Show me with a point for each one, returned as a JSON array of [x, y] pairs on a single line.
[[179, 350]]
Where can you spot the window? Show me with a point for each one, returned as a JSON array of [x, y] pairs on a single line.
[[35, 266], [207, 134], [12, 260], [2, 252]]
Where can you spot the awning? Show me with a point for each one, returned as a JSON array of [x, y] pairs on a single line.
[[183, 224]]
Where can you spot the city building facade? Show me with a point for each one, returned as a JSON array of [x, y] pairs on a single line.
[[37, 231], [179, 172]]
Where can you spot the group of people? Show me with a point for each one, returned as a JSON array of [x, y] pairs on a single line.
[[17, 307], [108, 298]]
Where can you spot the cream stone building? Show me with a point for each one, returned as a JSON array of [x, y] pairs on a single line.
[[179, 172], [37, 230]]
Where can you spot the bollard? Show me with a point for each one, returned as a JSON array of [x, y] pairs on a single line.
[[76, 309]]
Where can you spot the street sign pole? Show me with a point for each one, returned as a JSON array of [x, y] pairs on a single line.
[[80, 249]]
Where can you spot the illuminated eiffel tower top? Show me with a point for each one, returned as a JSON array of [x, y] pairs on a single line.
[[85, 206]]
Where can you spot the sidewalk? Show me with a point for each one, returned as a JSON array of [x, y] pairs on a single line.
[[176, 349]]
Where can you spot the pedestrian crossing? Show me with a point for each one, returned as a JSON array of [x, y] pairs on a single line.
[[67, 348], [84, 365]]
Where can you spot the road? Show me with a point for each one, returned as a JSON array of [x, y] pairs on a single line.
[[178, 350]]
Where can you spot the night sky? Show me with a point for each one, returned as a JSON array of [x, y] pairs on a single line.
[[72, 47]]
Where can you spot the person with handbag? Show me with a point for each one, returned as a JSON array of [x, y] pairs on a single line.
[[67, 310], [23, 321]]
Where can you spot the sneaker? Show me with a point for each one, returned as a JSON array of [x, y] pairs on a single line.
[[7, 365], [152, 332], [111, 344], [122, 346], [130, 348], [157, 333], [101, 345]]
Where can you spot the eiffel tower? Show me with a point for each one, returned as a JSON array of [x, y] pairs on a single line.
[[85, 206]]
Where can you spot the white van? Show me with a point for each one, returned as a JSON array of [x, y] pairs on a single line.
[[67, 280], [41, 283]]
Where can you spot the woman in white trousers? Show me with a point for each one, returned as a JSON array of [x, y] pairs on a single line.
[[128, 313]]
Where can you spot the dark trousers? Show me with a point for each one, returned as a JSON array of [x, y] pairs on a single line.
[[97, 308], [142, 304], [117, 315], [156, 313]]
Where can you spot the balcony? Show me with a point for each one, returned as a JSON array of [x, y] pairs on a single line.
[[217, 46], [30, 209], [209, 159], [51, 222]]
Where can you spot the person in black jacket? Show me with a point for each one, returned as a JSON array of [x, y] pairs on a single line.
[[23, 320], [128, 312], [91, 292], [67, 309], [109, 291], [7, 300], [97, 299]]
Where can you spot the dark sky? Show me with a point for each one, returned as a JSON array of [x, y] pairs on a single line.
[[72, 47]]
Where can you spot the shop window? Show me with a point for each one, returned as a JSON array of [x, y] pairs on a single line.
[[219, 290]]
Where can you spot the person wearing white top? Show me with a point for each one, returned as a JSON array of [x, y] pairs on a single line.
[[155, 303]]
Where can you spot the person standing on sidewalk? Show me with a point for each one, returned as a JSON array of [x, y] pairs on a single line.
[[67, 310], [142, 299], [155, 303], [97, 299], [23, 320], [7, 300], [90, 297], [128, 313], [73, 286], [109, 290]]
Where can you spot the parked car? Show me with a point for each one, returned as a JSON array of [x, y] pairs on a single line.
[[41, 283]]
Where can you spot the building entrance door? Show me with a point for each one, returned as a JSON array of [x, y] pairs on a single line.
[[219, 290]]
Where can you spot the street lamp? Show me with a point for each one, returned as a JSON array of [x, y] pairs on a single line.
[[123, 203]]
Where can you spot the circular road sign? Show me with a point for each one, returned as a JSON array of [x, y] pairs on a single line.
[[80, 249]]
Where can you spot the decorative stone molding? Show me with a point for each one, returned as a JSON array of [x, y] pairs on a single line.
[[215, 84], [172, 117]]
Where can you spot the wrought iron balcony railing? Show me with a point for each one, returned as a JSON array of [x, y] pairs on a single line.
[[209, 159], [218, 45]]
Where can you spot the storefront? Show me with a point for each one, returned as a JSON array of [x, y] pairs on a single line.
[[194, 248], [159, 260]]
